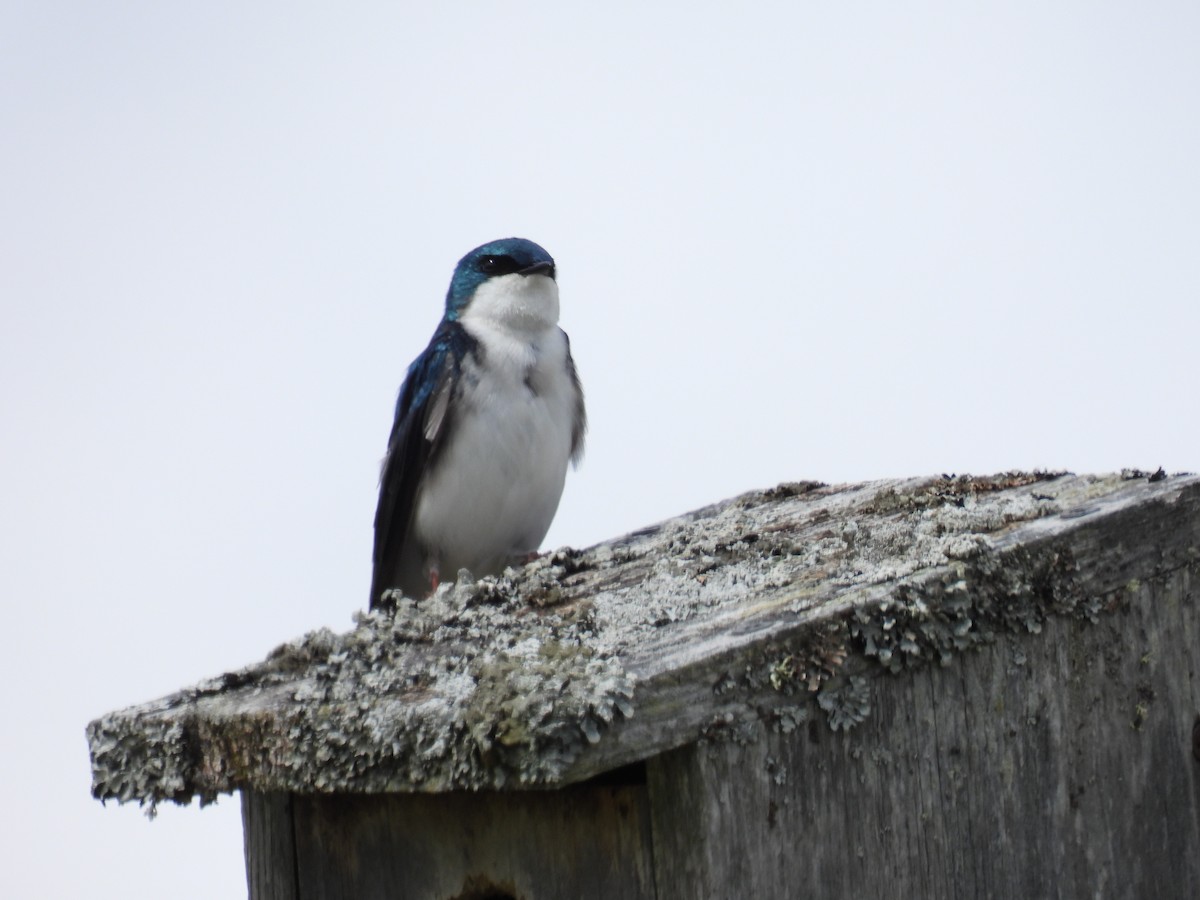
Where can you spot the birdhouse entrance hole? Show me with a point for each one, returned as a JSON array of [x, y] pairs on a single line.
[[479, 887]]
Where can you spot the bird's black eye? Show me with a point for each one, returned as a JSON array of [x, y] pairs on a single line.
[[497, 265]]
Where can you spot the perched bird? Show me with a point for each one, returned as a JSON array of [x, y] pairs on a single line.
[[487, 419]]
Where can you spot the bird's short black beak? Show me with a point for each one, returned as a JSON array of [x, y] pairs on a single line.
[[539, 268]]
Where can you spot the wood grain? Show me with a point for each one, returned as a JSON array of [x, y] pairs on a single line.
[[1050, 765], [589, 842]]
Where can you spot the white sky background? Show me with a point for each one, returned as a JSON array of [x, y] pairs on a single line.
[[806, 240]]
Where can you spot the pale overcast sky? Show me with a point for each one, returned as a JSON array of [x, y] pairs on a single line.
[[796, 240]]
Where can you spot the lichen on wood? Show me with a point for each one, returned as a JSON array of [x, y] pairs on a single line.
[[772, 607]]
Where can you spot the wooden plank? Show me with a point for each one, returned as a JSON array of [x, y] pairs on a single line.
[[1057, 764], [270, 846], [588, 660], [588, 842]]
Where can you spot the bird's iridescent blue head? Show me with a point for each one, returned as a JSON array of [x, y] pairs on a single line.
[[503, 257]]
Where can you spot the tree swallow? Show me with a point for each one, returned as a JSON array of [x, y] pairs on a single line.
[[487, 419]]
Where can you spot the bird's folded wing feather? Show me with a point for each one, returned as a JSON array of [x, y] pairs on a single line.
[[421, 424], [579, 421]]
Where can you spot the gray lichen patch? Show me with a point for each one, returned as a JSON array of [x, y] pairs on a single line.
[[847, 704], [972, 597], [776, 607], [467, 689], [748, 555], [947, 553], [968, 603]]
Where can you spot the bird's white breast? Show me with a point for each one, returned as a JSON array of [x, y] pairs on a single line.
[[496, 486]]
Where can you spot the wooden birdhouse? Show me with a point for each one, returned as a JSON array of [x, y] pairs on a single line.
[[939, 687]]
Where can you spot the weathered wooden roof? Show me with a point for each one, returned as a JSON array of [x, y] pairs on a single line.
[[777, 605]]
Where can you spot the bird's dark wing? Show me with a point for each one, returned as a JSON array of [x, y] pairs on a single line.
[[422, 422], [579, 422]]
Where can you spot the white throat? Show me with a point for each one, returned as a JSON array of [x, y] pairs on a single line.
[[518, 304]]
